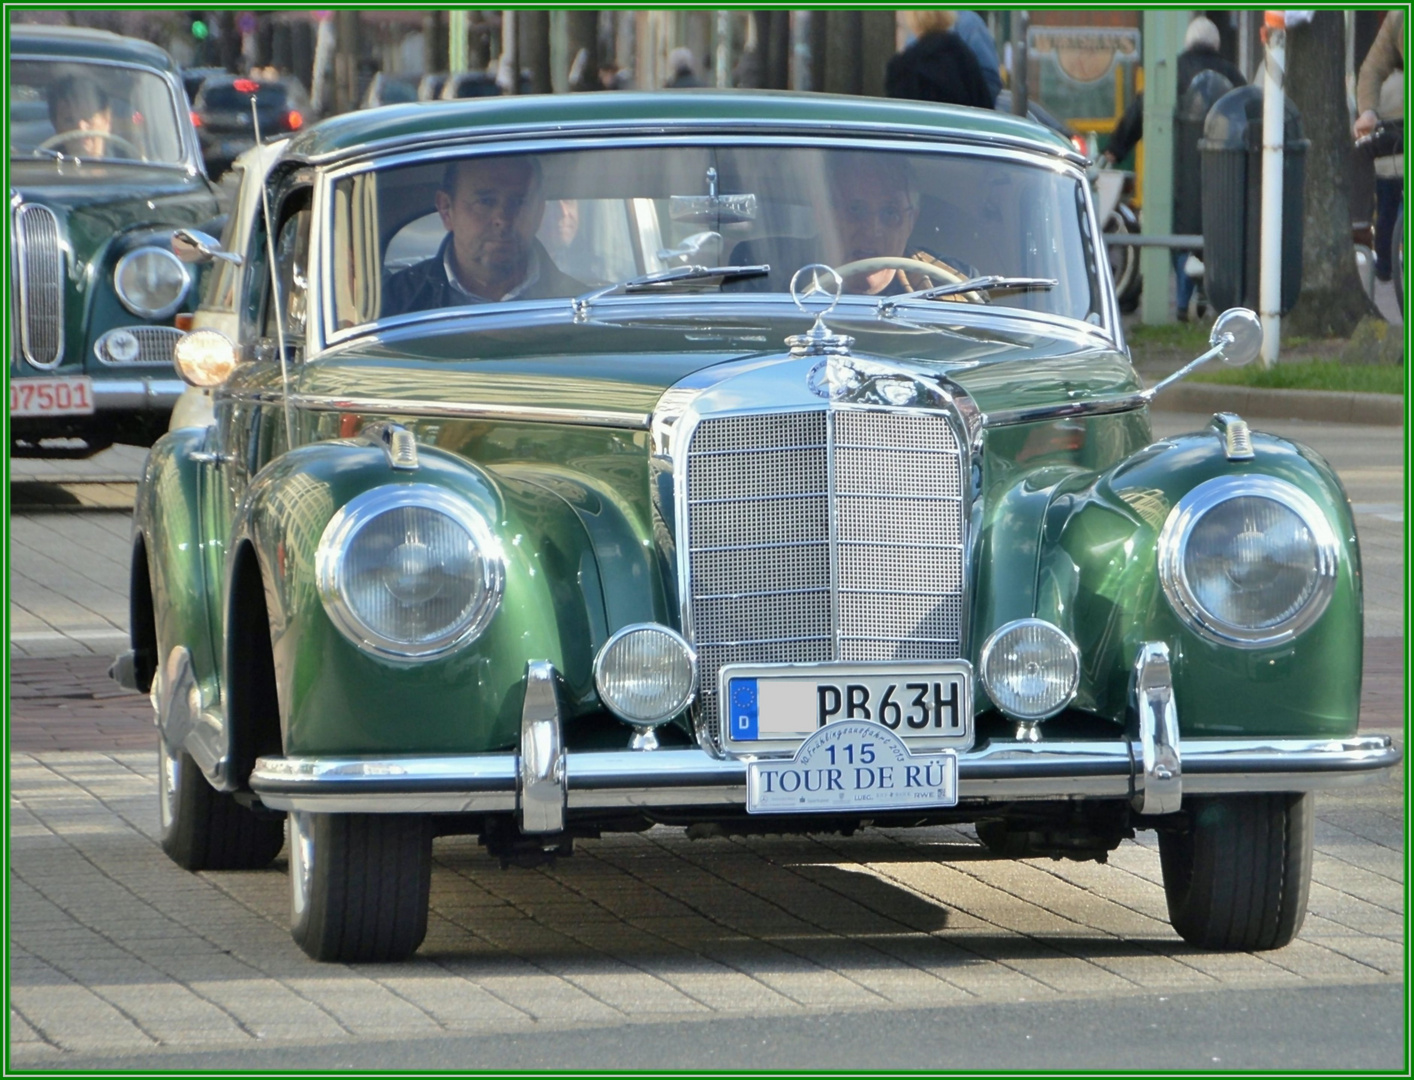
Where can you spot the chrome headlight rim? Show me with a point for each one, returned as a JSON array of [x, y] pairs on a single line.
[[990, 646], [361, 510], [686, 699], [1190, 511], [140, 310]]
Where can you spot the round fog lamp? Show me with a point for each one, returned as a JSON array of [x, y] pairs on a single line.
[[204, 357], [646, 674], [1030, 669]]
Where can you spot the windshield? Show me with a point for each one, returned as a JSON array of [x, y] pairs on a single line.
[[455, 233], [92, 112]]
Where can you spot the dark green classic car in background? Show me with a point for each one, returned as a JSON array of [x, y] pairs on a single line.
[[796, 433], [94, 283]]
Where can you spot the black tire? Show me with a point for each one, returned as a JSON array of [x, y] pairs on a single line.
[[1238, 878], [206, 829], [1124, 261], [359, 885], [1397, 258]]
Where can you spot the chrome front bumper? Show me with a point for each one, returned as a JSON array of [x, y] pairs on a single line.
[[626, 779], [544, 781], [136, 394]]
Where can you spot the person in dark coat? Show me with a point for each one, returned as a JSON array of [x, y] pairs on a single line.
[[1200, 53], [491, 208], [938, 66]]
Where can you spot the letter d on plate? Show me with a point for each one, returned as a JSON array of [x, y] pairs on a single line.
[[851, 765]]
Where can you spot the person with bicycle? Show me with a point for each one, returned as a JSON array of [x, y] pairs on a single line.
[[1379, 100]]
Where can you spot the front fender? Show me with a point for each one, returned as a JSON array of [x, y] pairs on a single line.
[[168, 517], [1098, 580], [336, 698]]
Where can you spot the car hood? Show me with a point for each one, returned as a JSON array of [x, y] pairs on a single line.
[[626, 367], [101, 201]]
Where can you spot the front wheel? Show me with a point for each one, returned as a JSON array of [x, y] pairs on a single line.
[[359, 885], [206, 829], [1237, 878]]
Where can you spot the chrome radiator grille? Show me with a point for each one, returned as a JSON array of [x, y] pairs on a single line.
[[39, 266], [823, 535]]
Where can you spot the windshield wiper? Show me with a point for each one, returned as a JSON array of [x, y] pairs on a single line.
[[667, 277], [977, 284]]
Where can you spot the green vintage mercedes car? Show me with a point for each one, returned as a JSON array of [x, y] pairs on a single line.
[[759, 463], [104, 164]]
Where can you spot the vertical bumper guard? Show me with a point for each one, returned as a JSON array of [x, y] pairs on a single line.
[[1158, 784], [542, 754]]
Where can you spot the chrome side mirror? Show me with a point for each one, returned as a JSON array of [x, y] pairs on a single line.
[[195, 246], [1238, 336]]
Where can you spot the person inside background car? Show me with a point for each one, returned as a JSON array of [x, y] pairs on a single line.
[[491, 208], [78, 105]]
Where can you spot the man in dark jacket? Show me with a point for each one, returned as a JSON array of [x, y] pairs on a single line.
[[1200, 53], [491, 208], [938, 66]]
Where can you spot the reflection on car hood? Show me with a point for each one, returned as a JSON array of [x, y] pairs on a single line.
[[627, 367]]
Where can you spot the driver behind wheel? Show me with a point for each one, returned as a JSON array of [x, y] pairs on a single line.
[[77, 104]]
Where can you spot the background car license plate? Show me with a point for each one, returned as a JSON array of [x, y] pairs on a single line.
[[851, 765], [64, 396], [772, 707]]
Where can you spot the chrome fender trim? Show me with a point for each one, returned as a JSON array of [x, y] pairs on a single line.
[[995, 772], [1158, 783], [542, 754]]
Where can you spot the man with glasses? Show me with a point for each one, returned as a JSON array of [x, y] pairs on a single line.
[[491, 208]]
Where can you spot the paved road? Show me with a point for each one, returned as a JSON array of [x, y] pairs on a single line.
[[885, 949]]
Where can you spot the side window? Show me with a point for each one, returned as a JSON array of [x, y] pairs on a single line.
[[291, 264]]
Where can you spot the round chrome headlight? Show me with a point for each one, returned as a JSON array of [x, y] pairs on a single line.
[[409, 571], [1248, 560], [646, 674], [151, 282], [1030, 669]]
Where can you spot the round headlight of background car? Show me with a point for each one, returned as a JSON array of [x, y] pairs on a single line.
[[204, 357], [151, 282], [410, 571], [646, 674], [1030, 669], [1248, 560]]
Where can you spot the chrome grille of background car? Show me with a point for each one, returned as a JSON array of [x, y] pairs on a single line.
[[39, 266], [769, 581]]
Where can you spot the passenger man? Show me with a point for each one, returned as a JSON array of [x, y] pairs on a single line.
[[491, 208]]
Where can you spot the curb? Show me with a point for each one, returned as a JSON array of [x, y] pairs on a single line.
[[1320, 405]]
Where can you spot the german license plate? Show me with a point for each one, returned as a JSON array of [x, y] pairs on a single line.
[[770, 708], [851, 765], [61, 396]]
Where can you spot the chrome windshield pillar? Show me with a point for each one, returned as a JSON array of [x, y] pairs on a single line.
[[1158, 783], [541, 802]]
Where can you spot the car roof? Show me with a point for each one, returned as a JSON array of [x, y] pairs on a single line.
[[76, 42], [354, 134]]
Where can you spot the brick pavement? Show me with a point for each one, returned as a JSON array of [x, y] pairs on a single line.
[[114, 949]]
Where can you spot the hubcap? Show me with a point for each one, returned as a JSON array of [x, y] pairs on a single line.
[[301, 827], [170, 769]]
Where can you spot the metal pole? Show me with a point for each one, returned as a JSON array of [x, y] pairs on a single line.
[[1021, 22], [1163, 38], [456, 40], [1273, 145], [722, 72]]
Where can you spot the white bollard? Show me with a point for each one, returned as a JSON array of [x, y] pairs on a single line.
[[1273, 147]]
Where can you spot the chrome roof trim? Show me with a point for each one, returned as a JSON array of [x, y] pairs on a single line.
[[716, 126], [466, 410]]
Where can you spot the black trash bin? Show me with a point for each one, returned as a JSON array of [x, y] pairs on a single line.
[[1231, 149], [1188, 119]]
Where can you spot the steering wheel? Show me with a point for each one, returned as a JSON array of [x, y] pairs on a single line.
[[943, 275], [72, 136]]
